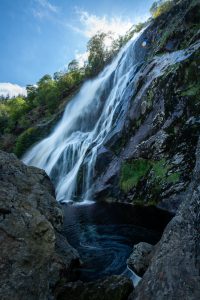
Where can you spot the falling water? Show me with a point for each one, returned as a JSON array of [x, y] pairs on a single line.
[[70, 151], [69, 154]]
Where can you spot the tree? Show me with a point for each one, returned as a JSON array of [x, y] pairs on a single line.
[[160, 7], [31, 94], [47, 93], [73, 66], [57, 75], [97, 54]]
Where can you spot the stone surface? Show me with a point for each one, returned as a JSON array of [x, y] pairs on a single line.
[[111, 288], [140, 258], [34, 257], [174, 269]]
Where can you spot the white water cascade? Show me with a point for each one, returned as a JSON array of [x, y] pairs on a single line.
[[88, 118]]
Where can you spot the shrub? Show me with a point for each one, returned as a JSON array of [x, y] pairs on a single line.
[[160, 7], [25, 140]]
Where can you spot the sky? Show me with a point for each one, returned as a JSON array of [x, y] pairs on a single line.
[[41, 37]]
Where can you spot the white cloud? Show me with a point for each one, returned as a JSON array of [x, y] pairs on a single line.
[[44, 9], [91, 24], [47, 5], [11, 89], [81, 58]]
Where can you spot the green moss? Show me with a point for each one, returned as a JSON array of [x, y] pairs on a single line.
[[192, 90], [26, 139], [152, 202], [160, 169], [132, 172], [150, 97], [140, 202], [138, 123], [173, 178]]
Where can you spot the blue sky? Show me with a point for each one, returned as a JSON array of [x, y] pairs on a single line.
[[42, 36]]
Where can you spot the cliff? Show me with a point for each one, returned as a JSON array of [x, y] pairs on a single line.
[[150, 161]]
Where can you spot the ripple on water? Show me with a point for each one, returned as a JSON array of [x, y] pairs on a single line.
[[104, 235]]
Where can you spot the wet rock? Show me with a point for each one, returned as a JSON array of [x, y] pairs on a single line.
[[34, 257], [140, 258], [104, 157], [170, 46], [111, 288], [193, 14], [143, 107]]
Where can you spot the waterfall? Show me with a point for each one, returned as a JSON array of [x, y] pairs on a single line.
[[69, 153]]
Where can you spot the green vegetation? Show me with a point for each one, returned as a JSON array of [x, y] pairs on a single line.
[[132, 172], [26, 139], [192, 90], [159, 173], [160, 7], [160, 169], [11, 111]]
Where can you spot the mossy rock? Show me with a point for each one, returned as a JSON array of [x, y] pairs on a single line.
[[132, 172], [157, 172]]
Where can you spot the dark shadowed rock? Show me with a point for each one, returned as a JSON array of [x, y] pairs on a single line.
[[34, 257], [174, 269], [140, 258], [104, 157], [111, 288]]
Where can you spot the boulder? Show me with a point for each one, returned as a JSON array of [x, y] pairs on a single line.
[[34, 257], [113, 287], [140, 258]]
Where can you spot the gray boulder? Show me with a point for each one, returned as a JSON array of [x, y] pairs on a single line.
[[113, 287], [34, 257], [140, 258]]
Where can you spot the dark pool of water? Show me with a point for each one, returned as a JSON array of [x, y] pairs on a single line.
[[104, 234]]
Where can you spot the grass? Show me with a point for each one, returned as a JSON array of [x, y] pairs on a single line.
[[134, 171]]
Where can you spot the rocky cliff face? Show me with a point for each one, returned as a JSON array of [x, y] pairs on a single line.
[[152, 159], [34, 257], [174, 269]]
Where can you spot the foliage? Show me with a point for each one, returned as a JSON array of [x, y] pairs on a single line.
[[161, 6], [97, 54], [25, 140], [11, 111], [132, 172]]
